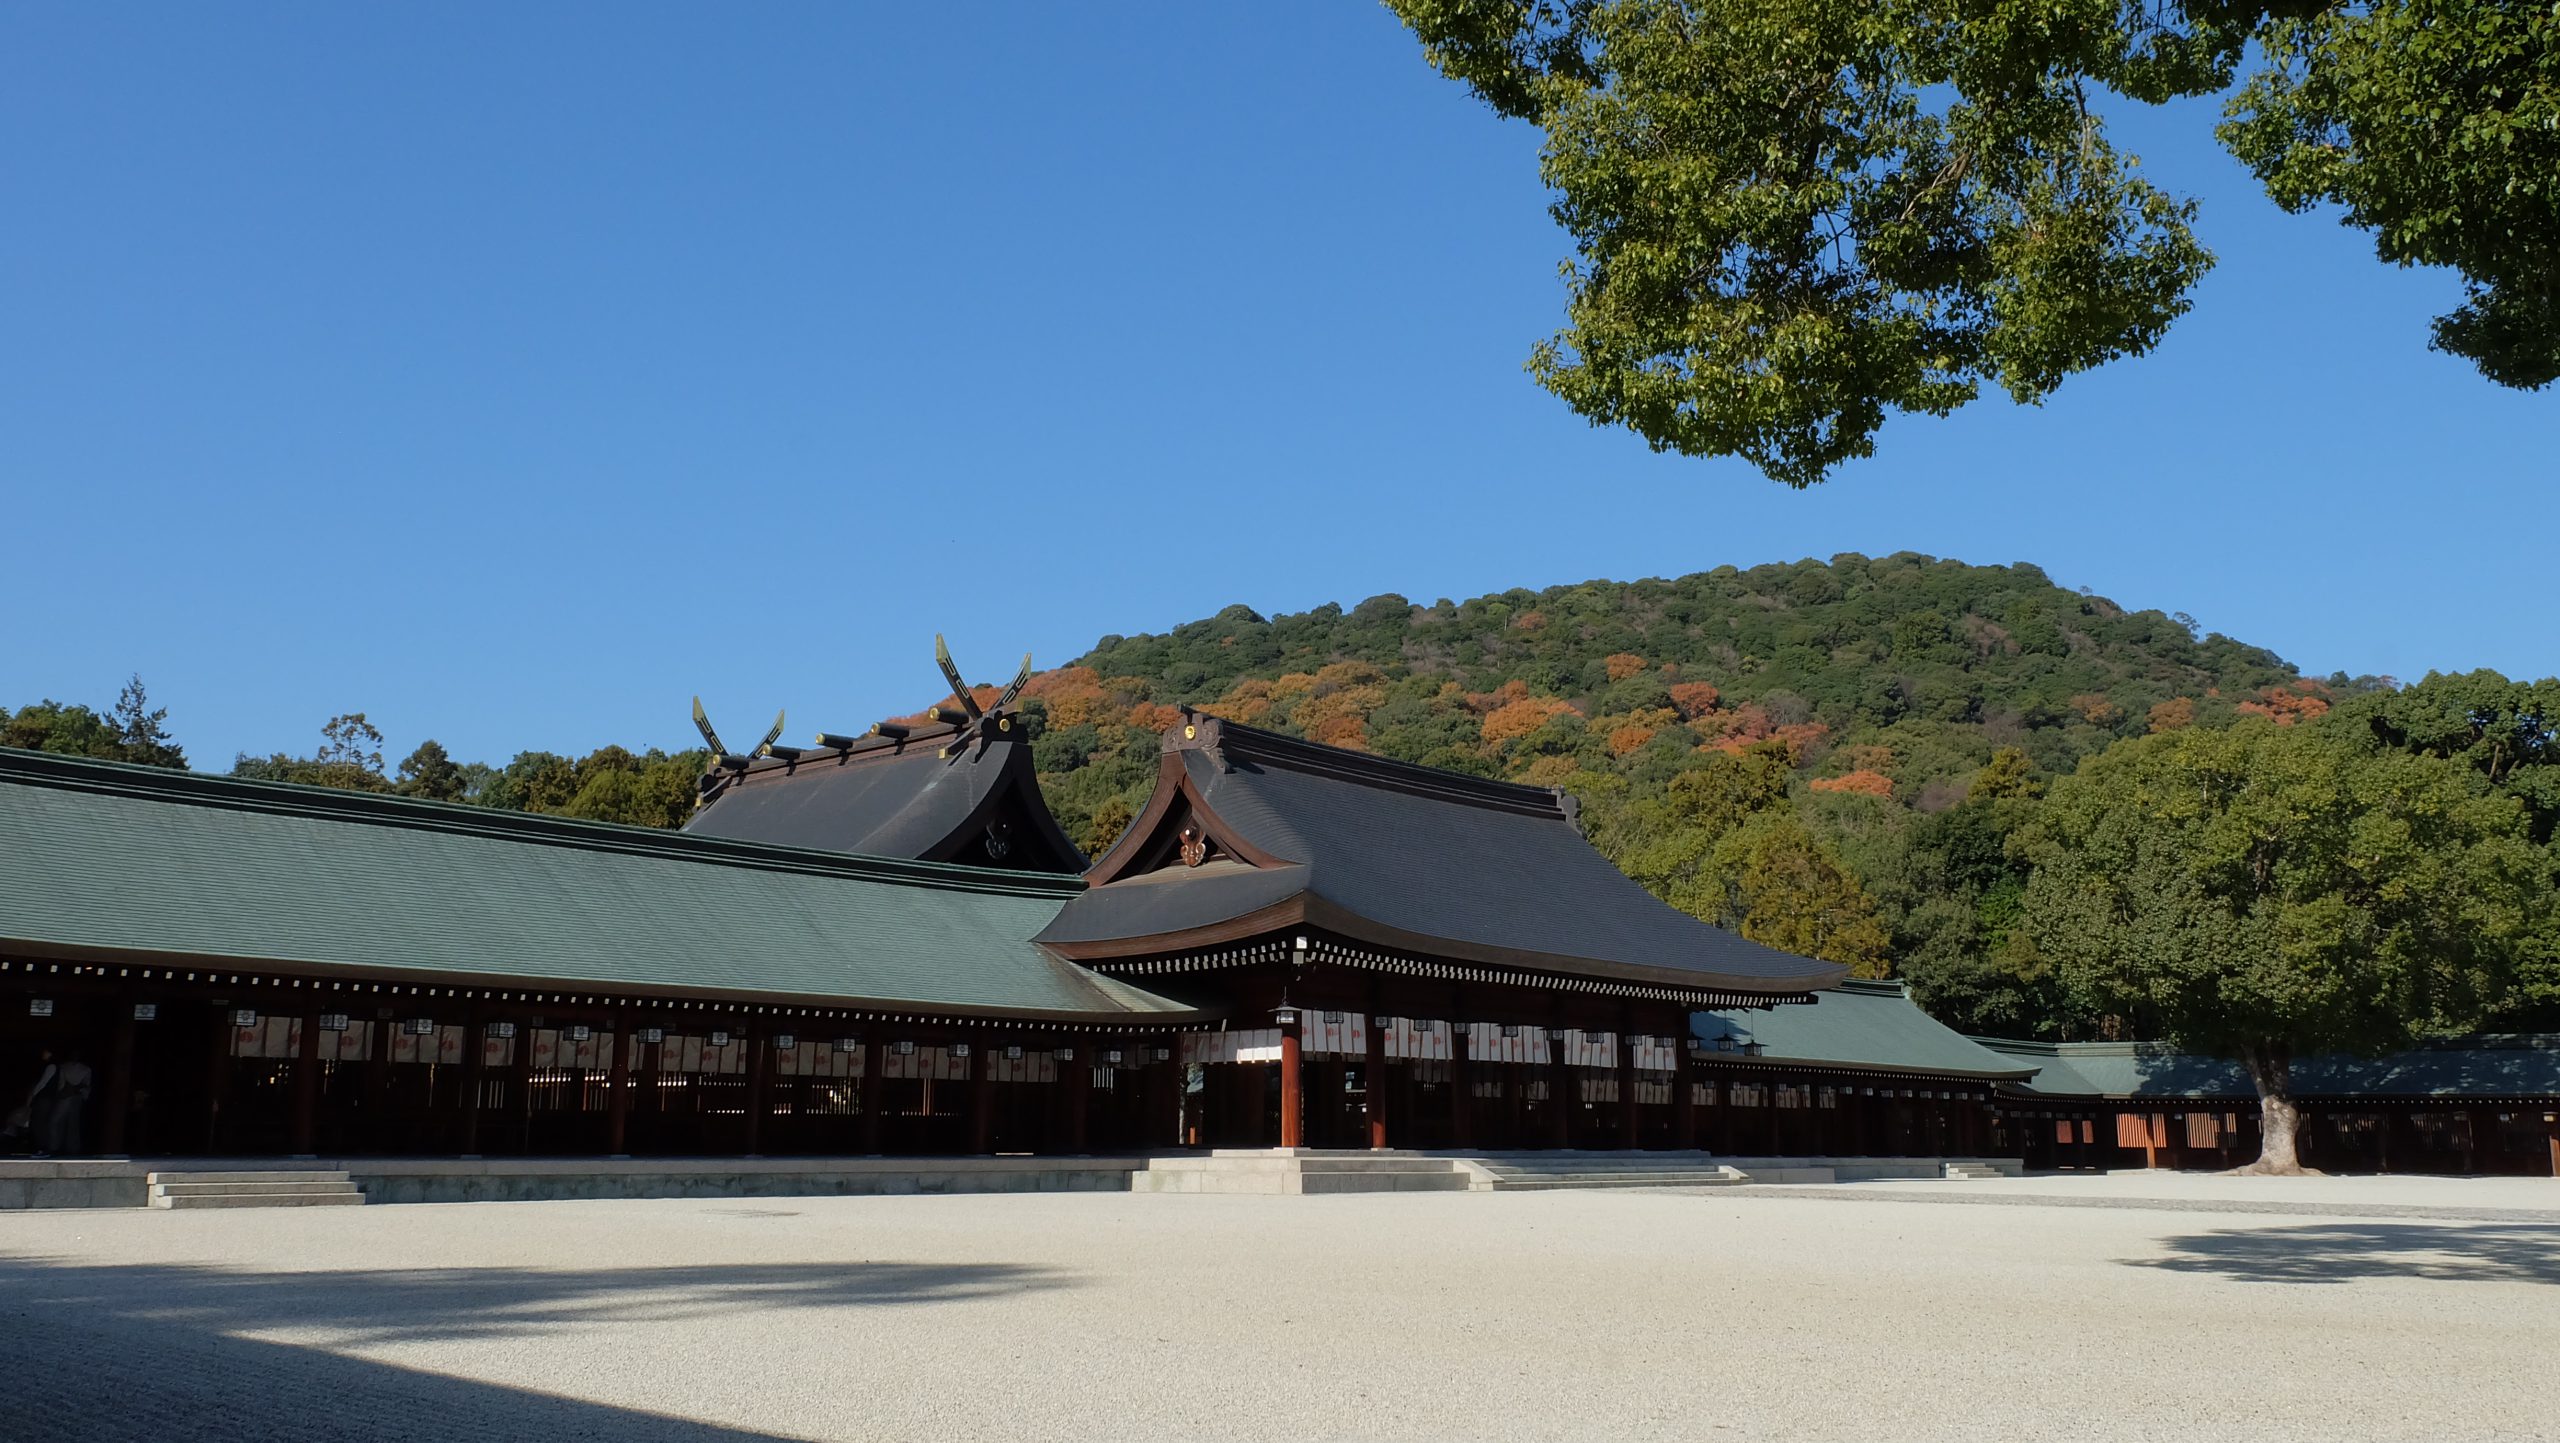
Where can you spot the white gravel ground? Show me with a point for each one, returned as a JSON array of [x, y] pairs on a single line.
[[1738, 1313]]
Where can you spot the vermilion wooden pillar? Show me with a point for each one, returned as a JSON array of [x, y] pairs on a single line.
[[1078, 1081], [1684, 1094], [618, 1088], [759, 1066], [1163, 1112], [1561, 1103], [111, 1128], [1293, 1118], [306, 1088], [377, 1082], [217, 1076], [1373, 1074], [1630, 1120], [982, 1098], [1462, 1083], [475, 1079], [875, 1055]]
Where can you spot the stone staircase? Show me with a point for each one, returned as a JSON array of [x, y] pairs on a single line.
[[300, 1188], [1552, 1171], [1299, 1170], [1974, 1172]]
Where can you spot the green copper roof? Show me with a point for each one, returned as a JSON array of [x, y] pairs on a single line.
[[2487, 1065], [1860, 1024], [104, 858]]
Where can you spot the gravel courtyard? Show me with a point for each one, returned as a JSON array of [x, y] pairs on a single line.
[[2138, 1312]]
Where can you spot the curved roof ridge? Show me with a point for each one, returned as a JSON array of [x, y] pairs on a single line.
[[89, 774], [1234, 740]]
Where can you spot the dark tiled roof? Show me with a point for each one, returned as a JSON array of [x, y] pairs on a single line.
[[902, 798], [2486, 1065], [1402, 857], [103, 859], [1873, 1026]]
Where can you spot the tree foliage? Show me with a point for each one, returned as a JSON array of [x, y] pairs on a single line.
[[2263, 892], [1792, 217], [132, 730], [2437, 127]]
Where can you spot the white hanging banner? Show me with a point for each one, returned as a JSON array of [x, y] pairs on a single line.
[[1492, 1042], [1414, 1039], [1334, 1034], [1590, 1049], [1261, 1044]]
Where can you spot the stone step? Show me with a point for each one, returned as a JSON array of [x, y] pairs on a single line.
[[1668, 1179], [196, 1187], [279, 1175], [258, 1200]]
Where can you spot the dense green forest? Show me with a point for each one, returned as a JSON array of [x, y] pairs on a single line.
[[1848, 759]]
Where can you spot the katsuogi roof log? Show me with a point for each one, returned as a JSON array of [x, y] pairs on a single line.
[[1250, 832]]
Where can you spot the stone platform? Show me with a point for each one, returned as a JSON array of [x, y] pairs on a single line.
[[127, 1182]]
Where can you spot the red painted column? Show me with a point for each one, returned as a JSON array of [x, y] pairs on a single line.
[[618, 1089], [475, 1078], [1373, 1072], [1079, 1087], [1630, 1118], [1293, 1122], [1561, 1103], [759, 1067], [306, 1088], [875, 1061], [982, 1098], [1684, 1093], [1462, 1083], [111, 1127]]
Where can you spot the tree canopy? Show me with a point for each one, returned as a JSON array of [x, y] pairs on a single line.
[[132, 730], [2264, 892], [1792, 217]]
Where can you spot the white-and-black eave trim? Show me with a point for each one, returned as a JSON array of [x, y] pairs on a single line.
[[1325, 950], [252, 987]]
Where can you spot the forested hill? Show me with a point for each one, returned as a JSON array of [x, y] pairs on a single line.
[[1833, 758], [1896, 676]]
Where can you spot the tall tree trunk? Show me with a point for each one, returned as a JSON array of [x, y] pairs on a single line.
[[2270, 1067]]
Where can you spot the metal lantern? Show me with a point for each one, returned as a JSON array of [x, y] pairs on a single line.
[[1111, 1055], [719, 1039], [1013, 1052], [1064, 1054], [333, 1022], [39, 1007], [240, 1016], [1164, 1054], [146, 1011], [906, 1047], [581, 1032], [652, 1034], [786, 1042], [419, 1026], [502, 1031], [848, 1044]]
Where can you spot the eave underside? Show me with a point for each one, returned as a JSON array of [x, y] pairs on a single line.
[[1321, 951]]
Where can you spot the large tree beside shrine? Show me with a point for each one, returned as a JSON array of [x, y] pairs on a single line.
[[1792, 217], [2273, 892]]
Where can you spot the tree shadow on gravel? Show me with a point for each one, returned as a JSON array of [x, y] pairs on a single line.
[[154, 1351], [2347, 1252], [443, 1304]]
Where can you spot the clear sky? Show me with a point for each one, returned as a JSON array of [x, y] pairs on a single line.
[[513, 373]]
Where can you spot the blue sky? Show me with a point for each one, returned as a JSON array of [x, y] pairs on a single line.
[[514, 373]]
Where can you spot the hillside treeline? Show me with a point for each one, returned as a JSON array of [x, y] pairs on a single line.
[[1850, 759]]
